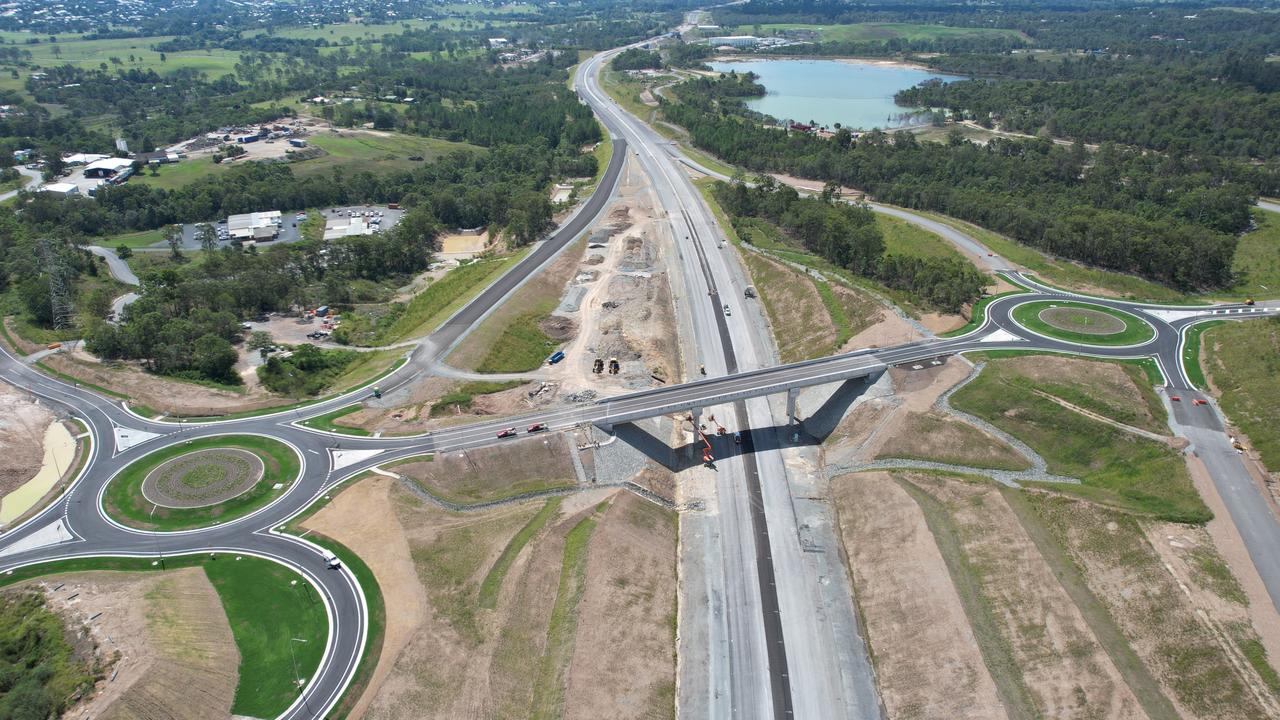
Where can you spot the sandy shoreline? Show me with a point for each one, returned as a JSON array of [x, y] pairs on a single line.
[[882, 62]]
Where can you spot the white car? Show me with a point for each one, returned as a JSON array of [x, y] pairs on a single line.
[[727, 311]]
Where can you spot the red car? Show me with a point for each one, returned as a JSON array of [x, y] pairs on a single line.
[[537, 427], [509, 432]]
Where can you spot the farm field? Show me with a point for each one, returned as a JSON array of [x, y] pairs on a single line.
[[873, 32]]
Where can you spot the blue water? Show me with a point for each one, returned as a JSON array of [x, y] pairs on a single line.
[[855, 94]]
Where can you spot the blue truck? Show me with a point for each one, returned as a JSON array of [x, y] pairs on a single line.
[[556, 357]]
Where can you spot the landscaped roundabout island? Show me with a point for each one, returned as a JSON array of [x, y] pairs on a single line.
[[1084, 323], [204, 482]]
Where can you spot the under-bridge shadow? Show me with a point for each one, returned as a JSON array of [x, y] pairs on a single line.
[[811, 430]]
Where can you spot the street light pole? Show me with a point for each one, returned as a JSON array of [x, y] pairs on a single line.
[[297, 680], [154, 536]]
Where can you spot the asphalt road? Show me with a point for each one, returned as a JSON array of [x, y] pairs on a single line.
[[738, 377], [34, 178]]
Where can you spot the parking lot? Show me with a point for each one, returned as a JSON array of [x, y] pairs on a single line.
[[385, 217]]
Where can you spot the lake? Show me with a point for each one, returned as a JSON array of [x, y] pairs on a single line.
[[858, 95]]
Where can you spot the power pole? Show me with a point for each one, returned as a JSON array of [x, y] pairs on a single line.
[[59, 285]]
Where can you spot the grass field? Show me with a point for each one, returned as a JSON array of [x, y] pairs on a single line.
[[123, 498], [172, 176], [89, 54], [1257, 261], [267, 612], [431, 307], [494, 473], [1114, 467], [390, 152], [462, 398], [264, 609], [903, 238], [977, 315], [326, 421], [1085, 315], [133, 240], [882, 32], [1191, 352], [1243, 359], [492, 583]]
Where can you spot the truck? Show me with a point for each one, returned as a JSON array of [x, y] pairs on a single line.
[[749, 293], [322, 311], [556, 357], [331, 560]]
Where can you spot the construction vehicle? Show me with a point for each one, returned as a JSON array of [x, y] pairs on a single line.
[[720, 430], [598, 367], [556, 357], [707, 458], [750, 292], [614, 366]]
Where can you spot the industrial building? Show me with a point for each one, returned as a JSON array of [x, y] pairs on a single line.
[[62, 189], [737, 41], [337, 228], [109, 168], [254, 226]]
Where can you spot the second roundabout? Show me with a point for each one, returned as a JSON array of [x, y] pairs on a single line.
[[1083, 323], [207, 481]]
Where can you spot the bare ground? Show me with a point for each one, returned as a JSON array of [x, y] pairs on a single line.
[[363, 519], [1158, 619], [935, 436], [926, 657], [1065, 668], [161, 394], [414, 414], [23, 421], [176, 655], [487, 473], [889, 330], [626, 669]]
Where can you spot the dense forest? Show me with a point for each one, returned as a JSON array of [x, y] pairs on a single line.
[[1170, 218], [847, 236]]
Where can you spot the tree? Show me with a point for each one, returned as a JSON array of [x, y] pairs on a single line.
[[173, 236], [207, 237], [215, 358], [124, 252], [259, 340]]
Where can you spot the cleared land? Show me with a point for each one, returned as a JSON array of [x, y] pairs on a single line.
[[23, 422], [559, 575], [1196, 666], [935, 437], [1242, 361], [915, 621], [1115, 466], [1257, 260], [493, 473]]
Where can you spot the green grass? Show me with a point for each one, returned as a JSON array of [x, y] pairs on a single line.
[[80, 383], [977, 315], [124, 502], [996, 653], [326, 421], [492, 583], [263, 609], [1244, 360], [353, 150], [548, 692], [1114, 467], [884, 31], [266, 613], [462, 398], [1257, 259], [133, 240], [1136, 330], [1191, 352], [431, 307], [522, 347], [903, 238], [172, 176]]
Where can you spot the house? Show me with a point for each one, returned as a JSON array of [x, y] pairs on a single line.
[[254, 226], [61, 189], [108, 167]]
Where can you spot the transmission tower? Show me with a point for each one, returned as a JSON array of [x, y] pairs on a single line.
[[59, 285]]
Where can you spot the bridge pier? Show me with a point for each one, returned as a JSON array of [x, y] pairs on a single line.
[[695, 415], [792, 394]]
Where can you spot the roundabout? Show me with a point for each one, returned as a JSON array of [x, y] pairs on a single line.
[[1083, 323], [202, 478], [200, 483]]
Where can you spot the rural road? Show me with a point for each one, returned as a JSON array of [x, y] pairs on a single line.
[[34, 178]]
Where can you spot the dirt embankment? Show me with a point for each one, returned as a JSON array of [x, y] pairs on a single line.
[[471, 599], [23, 421], [163, 634], [927, 659]]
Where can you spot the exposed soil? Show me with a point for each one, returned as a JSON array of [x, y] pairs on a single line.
[[889, 330], [926, 657], [1065, 668], [496, 471], [625, 308], [24, 346], [161, 394], [938, 437], [363, 519], [414, 415], [23, 421], [174, 655], [623, 663], [801, 324]]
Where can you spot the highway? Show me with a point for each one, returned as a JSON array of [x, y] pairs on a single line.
[[767, 653]]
